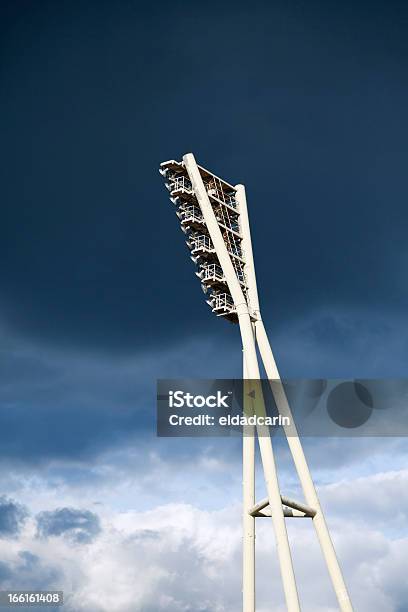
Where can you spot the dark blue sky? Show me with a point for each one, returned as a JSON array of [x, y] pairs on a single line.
[[305, 103]]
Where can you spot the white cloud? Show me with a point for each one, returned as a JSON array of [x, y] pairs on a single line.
[[169, 511], [178, 557]]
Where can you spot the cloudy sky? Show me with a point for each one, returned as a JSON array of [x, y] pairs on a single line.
[[304, 103]]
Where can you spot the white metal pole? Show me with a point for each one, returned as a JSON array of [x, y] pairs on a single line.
[[248, 501], [245, 323], [302, 469], [270, 473], [294, 443], [248, 458], [250, 275]]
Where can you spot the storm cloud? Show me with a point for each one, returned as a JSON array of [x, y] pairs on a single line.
[[90, 247], [12, 517], [79, 525]]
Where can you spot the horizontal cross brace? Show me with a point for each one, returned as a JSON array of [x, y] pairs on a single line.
[[287, 512], [298, 509]]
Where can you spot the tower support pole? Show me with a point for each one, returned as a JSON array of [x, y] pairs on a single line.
[[269, 467], [248, 521], [303, 471], [282, 404], [248, 433], [251, 361]]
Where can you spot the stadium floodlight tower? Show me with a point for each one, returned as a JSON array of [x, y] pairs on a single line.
[[213, 214]]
